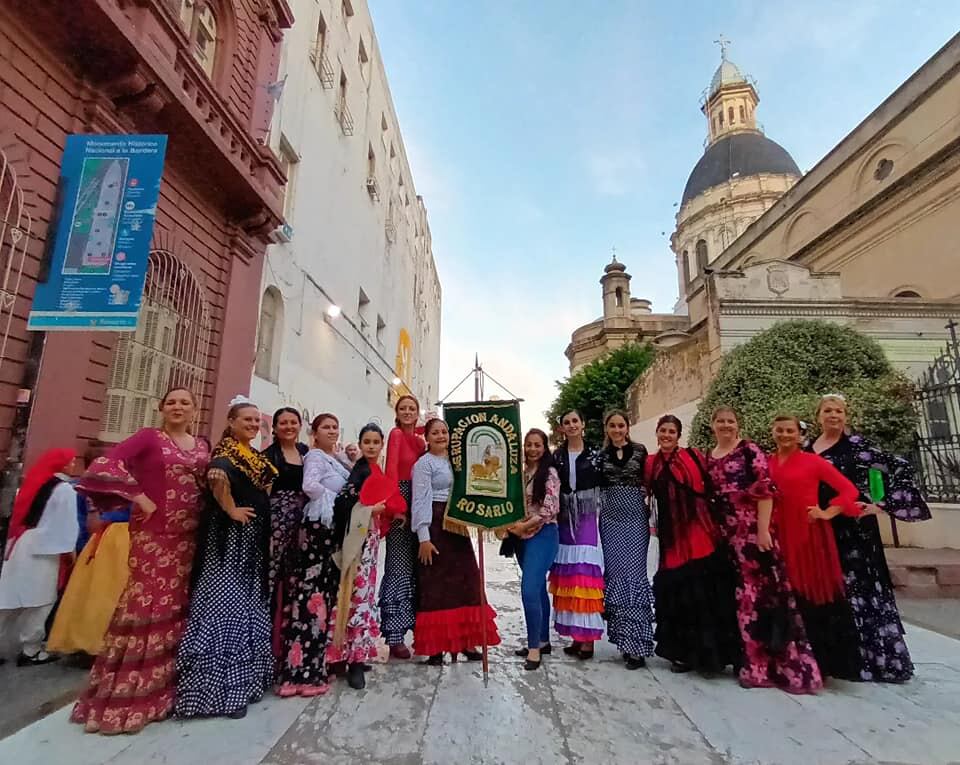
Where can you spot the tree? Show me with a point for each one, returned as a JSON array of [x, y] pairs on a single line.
[[600, 386], [786, 369]]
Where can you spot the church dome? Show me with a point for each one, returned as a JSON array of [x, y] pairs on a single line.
[[727, 74], [738, 155]]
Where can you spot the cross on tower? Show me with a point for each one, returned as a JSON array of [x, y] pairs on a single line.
[[724, 43], [614, 251]]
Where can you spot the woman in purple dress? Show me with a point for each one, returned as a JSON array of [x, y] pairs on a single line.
[[883, 650], [776, 652], [160, 471]]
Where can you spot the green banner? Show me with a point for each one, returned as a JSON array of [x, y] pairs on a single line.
[[486, 452]]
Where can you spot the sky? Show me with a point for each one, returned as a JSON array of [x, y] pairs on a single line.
[[543, 133]]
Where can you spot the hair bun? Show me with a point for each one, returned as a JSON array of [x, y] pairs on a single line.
[[241, 399]]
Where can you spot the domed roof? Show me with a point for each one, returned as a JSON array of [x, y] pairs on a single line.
[[741, 155], [727, 74]]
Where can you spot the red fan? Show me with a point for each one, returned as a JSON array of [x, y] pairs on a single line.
[[379, 488]]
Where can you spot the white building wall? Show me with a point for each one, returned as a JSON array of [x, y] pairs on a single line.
[[339, 231]]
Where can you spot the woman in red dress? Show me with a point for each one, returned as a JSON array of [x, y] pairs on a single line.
[[398, 590], [159, 470], [810, 548]]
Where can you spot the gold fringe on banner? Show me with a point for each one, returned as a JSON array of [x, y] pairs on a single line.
[[455, 527]]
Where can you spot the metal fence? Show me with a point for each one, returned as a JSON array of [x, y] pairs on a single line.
[[938, 435]]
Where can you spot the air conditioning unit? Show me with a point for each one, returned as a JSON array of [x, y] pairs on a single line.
[[373, 189], [282, 234]]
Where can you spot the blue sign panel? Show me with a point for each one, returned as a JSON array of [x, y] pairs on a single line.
[[110, 188]]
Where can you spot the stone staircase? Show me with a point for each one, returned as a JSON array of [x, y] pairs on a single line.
[[924, 573]]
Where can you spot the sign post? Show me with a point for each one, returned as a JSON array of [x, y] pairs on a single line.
[[101, 247]]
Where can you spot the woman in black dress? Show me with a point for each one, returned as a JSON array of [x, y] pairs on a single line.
[[869, 589], [225, 661]]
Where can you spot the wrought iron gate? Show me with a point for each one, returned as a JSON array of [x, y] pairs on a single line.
[[169, 348], [938, 435], [15, 231]]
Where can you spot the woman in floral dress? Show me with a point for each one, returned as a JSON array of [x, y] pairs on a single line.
[[776, 652], [287, 499], [353, 636], [160, 472], [869, 589], [311, 588]]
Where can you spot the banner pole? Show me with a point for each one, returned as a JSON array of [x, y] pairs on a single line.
[[477, 396], [483, 611]]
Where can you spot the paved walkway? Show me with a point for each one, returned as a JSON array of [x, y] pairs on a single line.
[[568, 712]]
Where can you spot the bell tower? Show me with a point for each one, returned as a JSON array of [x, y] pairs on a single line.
[[616, 294]]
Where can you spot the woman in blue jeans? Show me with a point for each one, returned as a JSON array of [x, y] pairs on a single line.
[[538, 542]]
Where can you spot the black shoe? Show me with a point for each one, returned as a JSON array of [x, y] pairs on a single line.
[[586, 654], [238, 715], [573, 649], [40, 657], [634, 662], [545, 650], [355, 678], [530, 665], [435, 661], [472, 655]]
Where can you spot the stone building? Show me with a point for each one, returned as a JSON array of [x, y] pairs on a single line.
[[199, 71], [356, 240]]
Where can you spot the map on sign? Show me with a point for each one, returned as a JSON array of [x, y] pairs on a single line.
[[96, 216]]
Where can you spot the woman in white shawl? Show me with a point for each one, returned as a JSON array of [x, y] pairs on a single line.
[[43, 531], [312, 587]]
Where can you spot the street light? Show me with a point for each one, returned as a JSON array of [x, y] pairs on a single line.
[[333, 311], [396, 380]]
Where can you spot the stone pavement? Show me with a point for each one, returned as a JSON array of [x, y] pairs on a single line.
[[568, 712]]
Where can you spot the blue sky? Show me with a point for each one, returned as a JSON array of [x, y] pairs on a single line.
[[543, 132]]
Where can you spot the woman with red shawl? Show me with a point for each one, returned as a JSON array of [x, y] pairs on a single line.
[[398, 592], [810, 548], [43, 531], [694, 588]]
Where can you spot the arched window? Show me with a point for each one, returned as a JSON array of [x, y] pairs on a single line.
[[200, 24], [169, 348], [619, 297], [907, 294], [730, 114], [701, 255], [685, 263], [743, 116], [270, 335]]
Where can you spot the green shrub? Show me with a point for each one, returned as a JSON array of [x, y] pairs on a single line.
[[789, 366], [599, 386]]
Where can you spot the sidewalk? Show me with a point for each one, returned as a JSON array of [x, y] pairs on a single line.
[[28, 694], [567, 713]]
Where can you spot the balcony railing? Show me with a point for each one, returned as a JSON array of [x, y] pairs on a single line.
[[342, 112], [318, 56]]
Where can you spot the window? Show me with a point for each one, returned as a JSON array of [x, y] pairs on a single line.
[[341, 111], [381, 328], [701, 255], [743, 117], [619, 297], [730, 114], [289, 161], [320, 46], [685, 261], [721, 118], [200, 24], [346, 6], [168, 348], [363, 310], [269, 335], [907, 294], [363, 60]]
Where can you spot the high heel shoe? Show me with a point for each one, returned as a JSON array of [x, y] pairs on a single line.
[[434, 661], [529, 665], [573, 649], [545, 650], [355, 678], [586, 652]]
